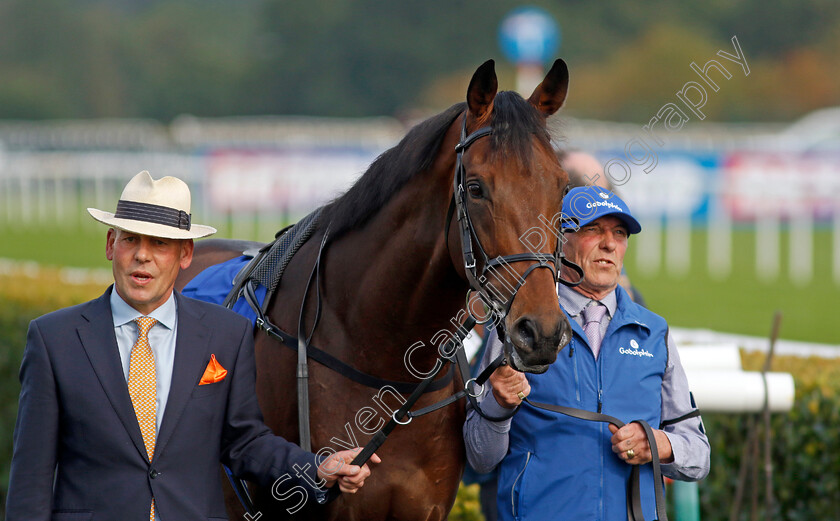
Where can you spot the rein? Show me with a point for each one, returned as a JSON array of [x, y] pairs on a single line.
[[634, 497], [473, 387], [326, 359]]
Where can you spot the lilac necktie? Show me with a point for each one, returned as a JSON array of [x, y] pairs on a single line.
[[592, 316]]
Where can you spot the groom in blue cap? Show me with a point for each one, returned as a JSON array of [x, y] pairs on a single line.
[[621, 362]]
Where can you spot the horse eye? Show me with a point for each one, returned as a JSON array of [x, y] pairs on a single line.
[[475, 190]]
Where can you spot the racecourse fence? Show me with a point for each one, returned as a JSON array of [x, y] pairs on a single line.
[[249, 175]]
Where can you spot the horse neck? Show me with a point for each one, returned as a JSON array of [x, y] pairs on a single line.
[[397, 281]]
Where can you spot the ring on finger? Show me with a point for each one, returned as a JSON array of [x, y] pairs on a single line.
[[630, 453]]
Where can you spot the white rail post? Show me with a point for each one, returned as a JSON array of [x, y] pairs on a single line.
[[767, 250], [678, 243], [801, 248], [719, 237], [649, 246], [835, 232]]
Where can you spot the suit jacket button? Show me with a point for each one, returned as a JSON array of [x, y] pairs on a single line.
[[153, 473]]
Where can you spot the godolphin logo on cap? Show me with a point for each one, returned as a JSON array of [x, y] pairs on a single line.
[[581, 206]]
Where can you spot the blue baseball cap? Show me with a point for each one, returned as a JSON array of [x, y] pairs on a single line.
[[584, 204]]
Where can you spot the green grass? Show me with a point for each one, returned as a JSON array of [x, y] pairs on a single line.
[[740, 303], [82, 247]]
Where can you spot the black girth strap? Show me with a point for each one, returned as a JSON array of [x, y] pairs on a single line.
[[303, 342]]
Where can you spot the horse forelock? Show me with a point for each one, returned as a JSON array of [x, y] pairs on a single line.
[[516, 123]]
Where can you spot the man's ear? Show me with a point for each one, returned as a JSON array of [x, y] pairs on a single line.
[[187, 247], [109, 243]]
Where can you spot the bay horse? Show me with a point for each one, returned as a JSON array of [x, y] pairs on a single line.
[[393, 275]]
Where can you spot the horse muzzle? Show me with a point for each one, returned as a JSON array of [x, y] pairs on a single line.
[[529, 351]]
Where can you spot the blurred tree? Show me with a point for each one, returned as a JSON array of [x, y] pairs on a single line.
[[640, 77], [33, 51], [162, 58], [362, 57], [180, 58], [123, 59]]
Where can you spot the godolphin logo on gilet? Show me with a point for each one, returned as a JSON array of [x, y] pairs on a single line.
[[635, 350]]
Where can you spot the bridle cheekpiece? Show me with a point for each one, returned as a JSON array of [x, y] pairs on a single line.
[[471, 244]]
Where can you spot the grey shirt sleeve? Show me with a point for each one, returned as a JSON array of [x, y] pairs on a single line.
[[689, 443], [486, 441]]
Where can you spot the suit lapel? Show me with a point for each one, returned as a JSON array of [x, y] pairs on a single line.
[[100, 344], [192, 347]]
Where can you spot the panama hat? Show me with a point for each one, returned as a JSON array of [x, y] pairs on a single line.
[[584, 204], [155, 208]]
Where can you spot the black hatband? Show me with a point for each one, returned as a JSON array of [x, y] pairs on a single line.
[[153, 213]]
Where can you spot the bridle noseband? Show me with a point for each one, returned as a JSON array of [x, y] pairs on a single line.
[[471, 244], [244, 285]]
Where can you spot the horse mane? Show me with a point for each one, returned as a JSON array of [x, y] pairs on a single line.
[[515, 123]]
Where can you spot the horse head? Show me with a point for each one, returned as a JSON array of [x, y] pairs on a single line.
[[509, 198]]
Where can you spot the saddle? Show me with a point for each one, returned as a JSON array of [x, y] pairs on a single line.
[[268, 264]]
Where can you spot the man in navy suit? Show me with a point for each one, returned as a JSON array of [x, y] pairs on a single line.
[[129, 402]]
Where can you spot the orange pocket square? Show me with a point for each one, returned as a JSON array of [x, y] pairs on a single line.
[[214, 372]]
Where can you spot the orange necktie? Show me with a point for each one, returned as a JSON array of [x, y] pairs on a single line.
[[142, 387]]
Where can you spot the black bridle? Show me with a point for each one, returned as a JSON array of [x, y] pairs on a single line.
[[473, 387], [477, 272], [478, 281]]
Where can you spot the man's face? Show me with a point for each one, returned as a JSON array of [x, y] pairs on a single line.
[[599, 249], [145, 267]]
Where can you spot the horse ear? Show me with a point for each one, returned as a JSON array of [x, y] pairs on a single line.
[[549, 95], [482, 90]]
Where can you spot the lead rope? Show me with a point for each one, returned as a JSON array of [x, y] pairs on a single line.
[[634, 501], [398, 416]]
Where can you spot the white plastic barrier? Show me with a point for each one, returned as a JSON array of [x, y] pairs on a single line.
[[719, 385], [698, 357], [740, 391]]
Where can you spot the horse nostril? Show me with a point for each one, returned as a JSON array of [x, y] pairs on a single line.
[[526, 333], [563, 341], [564, 334]]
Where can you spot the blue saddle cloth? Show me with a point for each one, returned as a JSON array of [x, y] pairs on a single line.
[[214, 283]]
